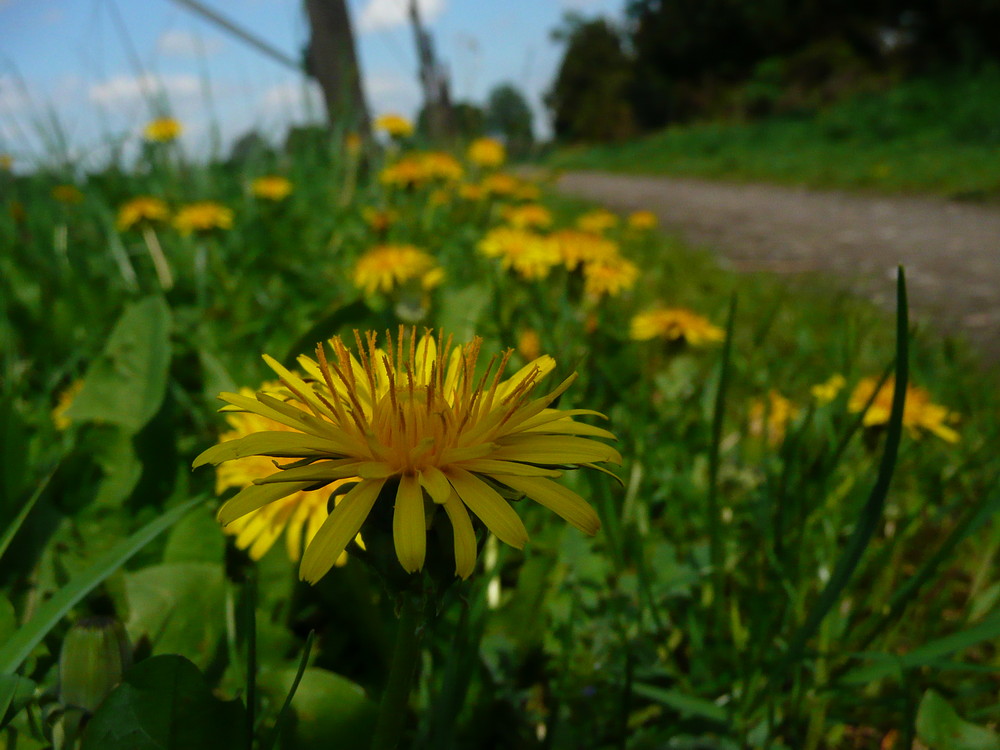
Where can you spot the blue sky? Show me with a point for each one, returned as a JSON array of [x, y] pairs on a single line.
[[93, 64]]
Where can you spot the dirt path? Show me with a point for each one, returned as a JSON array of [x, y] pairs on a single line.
[[951, 251]]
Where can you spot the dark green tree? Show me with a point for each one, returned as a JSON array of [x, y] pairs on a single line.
[[508, 115], [589, 99]]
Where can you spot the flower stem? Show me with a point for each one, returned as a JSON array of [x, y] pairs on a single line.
[[392, 710], [163, 274]]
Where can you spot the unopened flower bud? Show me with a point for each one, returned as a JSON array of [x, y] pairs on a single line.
[[94, 657]]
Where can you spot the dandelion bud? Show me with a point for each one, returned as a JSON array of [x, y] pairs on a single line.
[[94, 657]]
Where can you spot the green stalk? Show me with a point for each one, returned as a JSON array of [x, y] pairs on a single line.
[[392, 709]]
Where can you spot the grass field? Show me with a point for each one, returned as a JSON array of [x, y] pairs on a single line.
[[932, 135], [757, 580]]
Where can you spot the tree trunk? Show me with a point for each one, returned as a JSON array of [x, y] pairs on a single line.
[[333, 62]]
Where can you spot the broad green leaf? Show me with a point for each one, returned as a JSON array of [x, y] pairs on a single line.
[[8, 618], [180, 607], [941, 728], [121, 466], [330, 710], [460, 311], [126, 383], [15, 692], [164, 703], [197, 537], [17, 648]]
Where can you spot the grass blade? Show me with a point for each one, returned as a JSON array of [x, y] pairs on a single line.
[[16, 650], [15, 525], [684, 704], [871, 513], [273, 736]]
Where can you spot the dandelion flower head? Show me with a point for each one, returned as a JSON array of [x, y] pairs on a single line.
[[271, 187], [528, 216], [426, 431], [531, 256], [642, 221], [163, 130], [919, 413], [203, 216], [144, 209], [486, 152], [770, 418], [674, 324], [609, 277], [598, 221], [385, 267], [827, 391], [395, 125], [68, 194]]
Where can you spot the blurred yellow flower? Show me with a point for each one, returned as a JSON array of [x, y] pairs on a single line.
[[353, 143], [6, 162], [918, 412], [68, 194], [528, 216], [827, 391], [598, 221], [609, 277], [271, 187], [674, 324], [416, 169], [299, 515], [163, 130], [203, 217], [395, 125], [529, 255], [63, 403], [427, 434], [143, 208], [529, 344], [576, 247], [441, 166], [500, 184], [471, 192], [642, 220], [778, 411], [486, 152], [385, 267]]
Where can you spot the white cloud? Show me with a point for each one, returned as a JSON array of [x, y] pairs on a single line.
[[12, 96], [122, 89], [178, 43], [292, 95], [392, 92], [385, 14]]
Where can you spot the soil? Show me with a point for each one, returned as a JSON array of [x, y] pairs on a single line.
[[950, 250]]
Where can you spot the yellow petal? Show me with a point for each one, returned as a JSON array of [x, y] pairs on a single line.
[[491, 509], [338, 529], [543, 449], [267, 443], [562, 501], [323, 471], [465, 537], [490, 466], [256, 496], [409, 531], [436, 483]]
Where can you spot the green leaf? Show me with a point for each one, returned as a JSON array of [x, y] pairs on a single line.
[[8, 618], [180, 607], [17, 648], [688, 705], [459, 312], [941, 728], [121, 467], [197, 537], [330, 710], [126, 383], [15, 692], [165, 703]]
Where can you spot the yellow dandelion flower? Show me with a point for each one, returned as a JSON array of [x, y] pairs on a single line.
[[422, 430], [271, 187], [576, 247], [441, 166], [674, 324], [500, 184], [203, 217], [609, 277], [642, 221], [416, 169], [919, 413], [6, 162], [827, 391], [299, 515], [486, 152], [598, 221], [529, 255], [528, 216], [143, 209], [779, 412], [395, 125], [385, 267], [68, 194], [404, 173], [471, 192], [65, 400], [163, 130]]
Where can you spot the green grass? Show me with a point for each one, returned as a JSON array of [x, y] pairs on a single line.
[[742, 592], [931, 135]]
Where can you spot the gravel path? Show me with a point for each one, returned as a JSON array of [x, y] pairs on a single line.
[[951, 251]]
